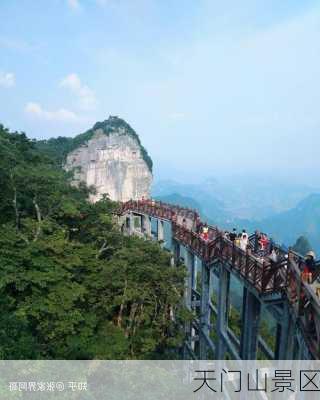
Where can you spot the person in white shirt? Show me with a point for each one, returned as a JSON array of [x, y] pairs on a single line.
[[244, 240]]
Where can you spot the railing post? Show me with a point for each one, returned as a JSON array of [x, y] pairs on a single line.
[[250, 326], [222, 316], [205, 309]]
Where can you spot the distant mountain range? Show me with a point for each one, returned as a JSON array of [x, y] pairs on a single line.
[[205, 202], [304, 219], [240, 197], [184, 201], [285, 226]]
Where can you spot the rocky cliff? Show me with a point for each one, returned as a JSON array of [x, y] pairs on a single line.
[[111, 158]]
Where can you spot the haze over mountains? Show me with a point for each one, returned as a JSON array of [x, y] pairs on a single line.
[[283, 210]]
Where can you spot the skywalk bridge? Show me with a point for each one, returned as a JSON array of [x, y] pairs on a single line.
[[275, 286]]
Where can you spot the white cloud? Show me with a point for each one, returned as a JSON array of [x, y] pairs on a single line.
[[60, 115], [7, 79], [74, 4], [87, 98]]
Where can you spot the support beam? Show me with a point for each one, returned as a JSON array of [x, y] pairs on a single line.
[[168, 237], [176, 251], [189, 262], [285, 336], [205, 309], [131, 223], [251, 311], [160, 230], [146, 225], [223, 309], [194, 274]]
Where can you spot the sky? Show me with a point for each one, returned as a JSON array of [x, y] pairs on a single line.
[[213, 88]]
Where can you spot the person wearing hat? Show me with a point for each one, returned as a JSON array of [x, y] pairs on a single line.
[[205, 232], [233, 235], [310, 266]]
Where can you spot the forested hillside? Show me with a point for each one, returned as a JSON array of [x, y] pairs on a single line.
[[71, 286]]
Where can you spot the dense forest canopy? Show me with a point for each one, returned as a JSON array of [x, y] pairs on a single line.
[[71, 286]]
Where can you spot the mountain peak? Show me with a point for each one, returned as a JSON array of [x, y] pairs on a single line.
[[115, 124], [311, 201]]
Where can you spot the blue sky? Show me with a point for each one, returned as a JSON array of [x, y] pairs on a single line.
[[211, 87]]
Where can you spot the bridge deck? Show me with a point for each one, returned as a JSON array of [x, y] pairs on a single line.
[[264, 275]]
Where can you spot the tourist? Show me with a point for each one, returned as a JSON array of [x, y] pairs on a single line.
[[244, 240], [273, 256], [237, 240], [199, 228], [257, 235], [263, 242], [309, 267], [174, 217], [197, 224], [233, 235], [205, 232]]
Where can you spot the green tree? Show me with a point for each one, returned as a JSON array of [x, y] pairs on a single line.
[[71, 286]]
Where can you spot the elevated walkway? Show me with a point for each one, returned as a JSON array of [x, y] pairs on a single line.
[[275, 286]]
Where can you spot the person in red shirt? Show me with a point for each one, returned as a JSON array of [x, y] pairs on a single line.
[[309, 267], [264, 241], [205, 232]]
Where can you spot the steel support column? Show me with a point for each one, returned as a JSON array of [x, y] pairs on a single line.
[[160, 230], [190, 265], [223, 309], [146, 225], [189, 260], [205, 309], [131, 223], [176, 251], [251, 312], [285, 336]]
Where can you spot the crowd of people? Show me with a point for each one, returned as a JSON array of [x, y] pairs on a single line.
[[262, 247], [240, 239]]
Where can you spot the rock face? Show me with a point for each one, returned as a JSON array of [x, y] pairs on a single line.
[[112, 159]]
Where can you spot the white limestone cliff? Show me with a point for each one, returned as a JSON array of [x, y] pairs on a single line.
[[113, 163]]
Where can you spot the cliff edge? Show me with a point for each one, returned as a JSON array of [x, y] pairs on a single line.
[[110, 157]]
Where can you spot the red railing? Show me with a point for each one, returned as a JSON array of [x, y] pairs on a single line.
[[264, 275]]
